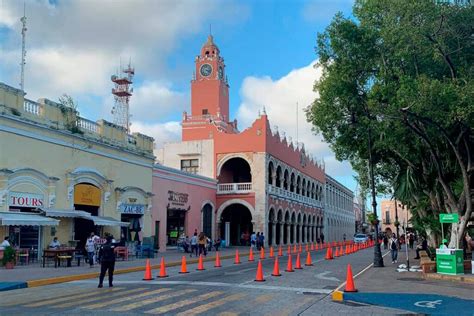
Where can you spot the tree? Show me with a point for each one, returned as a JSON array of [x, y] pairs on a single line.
[[403, 70], [71, 115]]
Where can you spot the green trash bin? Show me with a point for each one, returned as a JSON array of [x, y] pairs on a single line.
[[449, 261]]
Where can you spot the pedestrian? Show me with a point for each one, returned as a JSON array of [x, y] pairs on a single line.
[[5, 243], [202, 240], [107, 261], [444, 244], [321, 236], [411, 241], [394, 248], [217, 244], [257, 240], [344, 237], [253, 240], [262, 241], [54, 244], [421, 247], [385, 242], [90, 249], [194, 245]]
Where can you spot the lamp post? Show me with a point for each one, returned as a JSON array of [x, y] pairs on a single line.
[[378, 260], [397, 224]]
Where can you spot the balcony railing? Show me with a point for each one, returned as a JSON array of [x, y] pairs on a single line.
[[294, 196], [234, 188], [31, 107], [88, 125]]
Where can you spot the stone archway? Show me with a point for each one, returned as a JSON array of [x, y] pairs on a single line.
[[235, 219]]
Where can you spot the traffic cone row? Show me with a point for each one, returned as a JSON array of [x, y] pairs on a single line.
[[339, 251]]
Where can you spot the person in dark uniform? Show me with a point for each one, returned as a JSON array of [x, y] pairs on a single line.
[[107, 261]]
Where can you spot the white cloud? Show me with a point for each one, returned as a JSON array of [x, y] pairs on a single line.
[[279, 98], [158, 99], [161, 132]]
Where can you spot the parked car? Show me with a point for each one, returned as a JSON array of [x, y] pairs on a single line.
[[359, 238]]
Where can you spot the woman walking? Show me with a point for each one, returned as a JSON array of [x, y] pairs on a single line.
[[202, 241]]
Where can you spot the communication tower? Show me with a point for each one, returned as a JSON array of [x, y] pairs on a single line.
[[23, 49], [122, 93]]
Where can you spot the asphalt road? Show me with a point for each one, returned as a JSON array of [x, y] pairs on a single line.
[[230, 290]]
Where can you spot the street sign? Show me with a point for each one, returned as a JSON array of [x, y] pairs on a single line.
[[448, 218]]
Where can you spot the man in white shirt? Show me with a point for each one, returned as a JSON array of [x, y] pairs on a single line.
[[90, 248], [5, 243], [54, 243]]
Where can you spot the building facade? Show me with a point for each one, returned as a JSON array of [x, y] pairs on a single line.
[[183, 203], [64, 176], [265, 183], [339, 209], [391, 209]]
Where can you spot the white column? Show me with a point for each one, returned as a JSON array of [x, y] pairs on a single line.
[[281, 233], [273, 234]]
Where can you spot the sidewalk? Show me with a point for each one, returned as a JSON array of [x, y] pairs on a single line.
[[410, 291], [36, 275]]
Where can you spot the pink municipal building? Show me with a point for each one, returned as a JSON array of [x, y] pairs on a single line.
[[227, 182]]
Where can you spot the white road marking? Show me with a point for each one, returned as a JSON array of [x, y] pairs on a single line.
[[221, 284], [323, 276]]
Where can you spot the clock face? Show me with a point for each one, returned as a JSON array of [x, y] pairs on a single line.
[[221, 73], [206, 70]]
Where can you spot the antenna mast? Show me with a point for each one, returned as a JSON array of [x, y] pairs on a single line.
[[23, 49], [122, 93]]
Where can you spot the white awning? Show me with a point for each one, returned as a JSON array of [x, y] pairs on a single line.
[[65, 213], [107, 221], [26, 219]]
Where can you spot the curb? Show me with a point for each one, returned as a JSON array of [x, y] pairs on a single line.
[[8, 286], [452, 278], [84, 276]]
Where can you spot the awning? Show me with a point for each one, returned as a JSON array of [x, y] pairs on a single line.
[[26, 219], [107, 221], [65, 213]]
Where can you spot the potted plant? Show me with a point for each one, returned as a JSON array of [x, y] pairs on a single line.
[[9, 257]]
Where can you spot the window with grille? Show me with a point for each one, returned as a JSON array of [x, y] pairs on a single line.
[[190, 165]]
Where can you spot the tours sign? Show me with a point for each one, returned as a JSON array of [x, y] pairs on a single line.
[[448, 218]]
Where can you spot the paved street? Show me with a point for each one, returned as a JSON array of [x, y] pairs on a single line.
[[231, 290]]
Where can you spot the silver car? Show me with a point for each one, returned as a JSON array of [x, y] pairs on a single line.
[[360, 238]]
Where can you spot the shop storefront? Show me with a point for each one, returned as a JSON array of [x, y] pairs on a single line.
[[87, 198], [182, 204]]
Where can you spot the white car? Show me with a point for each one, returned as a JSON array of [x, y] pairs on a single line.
[[360, 238]]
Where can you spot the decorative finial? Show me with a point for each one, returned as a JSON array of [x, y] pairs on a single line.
[[264, 111]]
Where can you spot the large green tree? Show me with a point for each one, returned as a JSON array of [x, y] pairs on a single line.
[[401, 72]]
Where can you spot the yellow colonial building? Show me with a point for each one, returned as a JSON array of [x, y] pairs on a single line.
[[64, 176]]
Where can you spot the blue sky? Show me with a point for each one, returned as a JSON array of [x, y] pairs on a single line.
[[268, 46]]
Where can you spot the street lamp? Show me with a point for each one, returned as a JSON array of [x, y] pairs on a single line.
[[397, 223], [378, 260]]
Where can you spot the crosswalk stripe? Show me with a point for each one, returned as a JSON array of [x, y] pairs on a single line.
[[20, 298], [78, 303], [261, 299], [68, 297], [124, 299], [228, 314], [150, 301], [167, 308], [206, 307]]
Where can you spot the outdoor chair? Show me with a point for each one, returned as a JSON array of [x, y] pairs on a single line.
[[66, 258], [22, 256]]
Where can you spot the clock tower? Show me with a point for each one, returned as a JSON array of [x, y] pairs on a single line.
[[209, 87]]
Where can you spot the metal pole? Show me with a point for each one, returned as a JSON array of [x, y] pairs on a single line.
[[406, 245], [396, 221], [378, 260]]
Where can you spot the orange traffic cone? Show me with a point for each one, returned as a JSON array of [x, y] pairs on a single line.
[[308, 260], [328, 254], [350, 287], [271, 252], [162, 269], [218, 261], [294, 248], [312, 246], [183, 265], [337, 253], [341, 251], [288, 251], [262, 253], [316, 247], [259, 276], [298, 262], [251, 255], [276, 268], [306, 248], [148, 276], [289, 267], [280, 251], [237, 258], [200, 264], [300, 249]]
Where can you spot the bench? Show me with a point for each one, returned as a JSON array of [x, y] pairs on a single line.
[[427, 265]]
